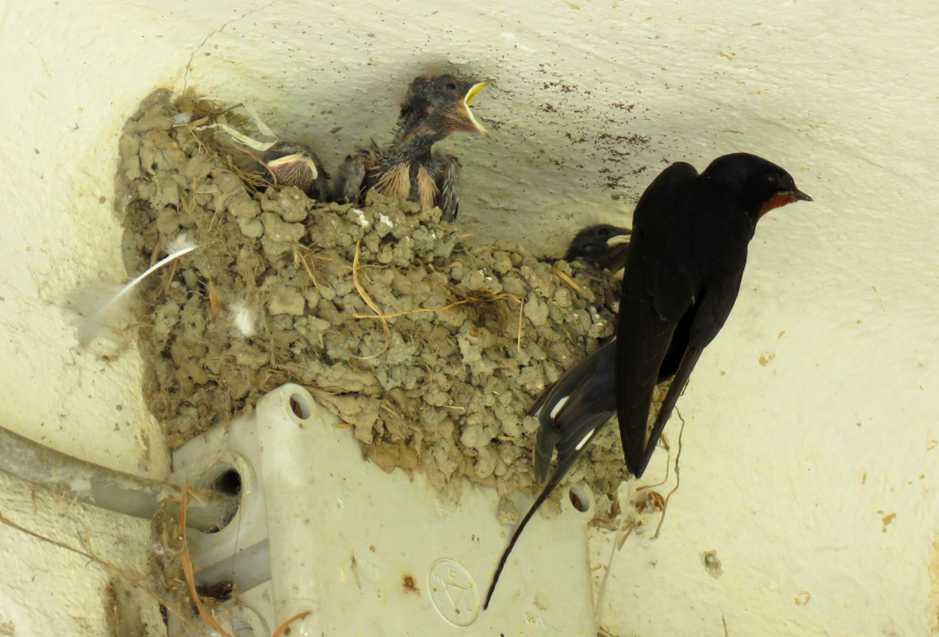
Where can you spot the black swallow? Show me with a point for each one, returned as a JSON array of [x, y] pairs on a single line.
[[592, 244], [688, 252], [434, 107], [293, 164]]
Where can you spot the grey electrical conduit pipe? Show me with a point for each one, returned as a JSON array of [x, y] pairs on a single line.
[[113, 490]]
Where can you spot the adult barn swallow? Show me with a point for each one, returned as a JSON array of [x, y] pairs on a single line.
[[687, 257], [689, 251], [592, 245], [434, 107], [293, 164]]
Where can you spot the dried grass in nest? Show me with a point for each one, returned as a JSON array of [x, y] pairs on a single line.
[[188, 572], [215, 301], [381, 316], [255, 180], [301, 260], [205, 113], [668, 496], [204, 110], [285, 626], [186, 560], [252, 177], [370, 303], [668, 466], [568, 281]]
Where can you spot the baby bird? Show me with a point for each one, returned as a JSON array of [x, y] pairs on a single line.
[[293, 164], [434, 107], [592, 245]]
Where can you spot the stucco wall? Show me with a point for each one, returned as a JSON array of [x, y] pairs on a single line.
[[810, 420], [49, 590]]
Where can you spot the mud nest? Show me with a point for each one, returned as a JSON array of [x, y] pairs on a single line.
[[286, 289]]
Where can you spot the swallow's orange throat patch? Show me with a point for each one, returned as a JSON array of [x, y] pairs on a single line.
[[777, 201]]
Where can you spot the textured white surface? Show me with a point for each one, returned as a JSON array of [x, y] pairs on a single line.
[[376, 530], [61, 117], [48, 590], [843, 94]]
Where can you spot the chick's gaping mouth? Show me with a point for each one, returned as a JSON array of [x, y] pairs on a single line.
[[468, 100]]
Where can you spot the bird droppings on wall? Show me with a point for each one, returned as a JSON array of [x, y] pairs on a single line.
[[428, 345], [408, 584], [887, 520], [598, 133], [712, 563]]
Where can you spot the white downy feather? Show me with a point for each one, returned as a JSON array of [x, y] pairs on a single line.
[[102, 305], [244, 318]]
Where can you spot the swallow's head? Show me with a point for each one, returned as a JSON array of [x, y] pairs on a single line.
[[758, 184], [592, 242], [438, 105]]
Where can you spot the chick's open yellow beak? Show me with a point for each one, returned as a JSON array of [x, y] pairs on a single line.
[[468, 100]]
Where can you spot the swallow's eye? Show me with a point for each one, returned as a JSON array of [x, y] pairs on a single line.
[[451, 86]]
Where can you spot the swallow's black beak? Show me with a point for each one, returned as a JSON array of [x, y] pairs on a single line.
[[798, 195]]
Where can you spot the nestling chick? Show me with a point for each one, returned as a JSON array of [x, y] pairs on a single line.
[[434, 107], [592, 244], [293, 164]]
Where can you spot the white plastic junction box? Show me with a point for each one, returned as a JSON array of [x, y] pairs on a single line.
[[321, 529]]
